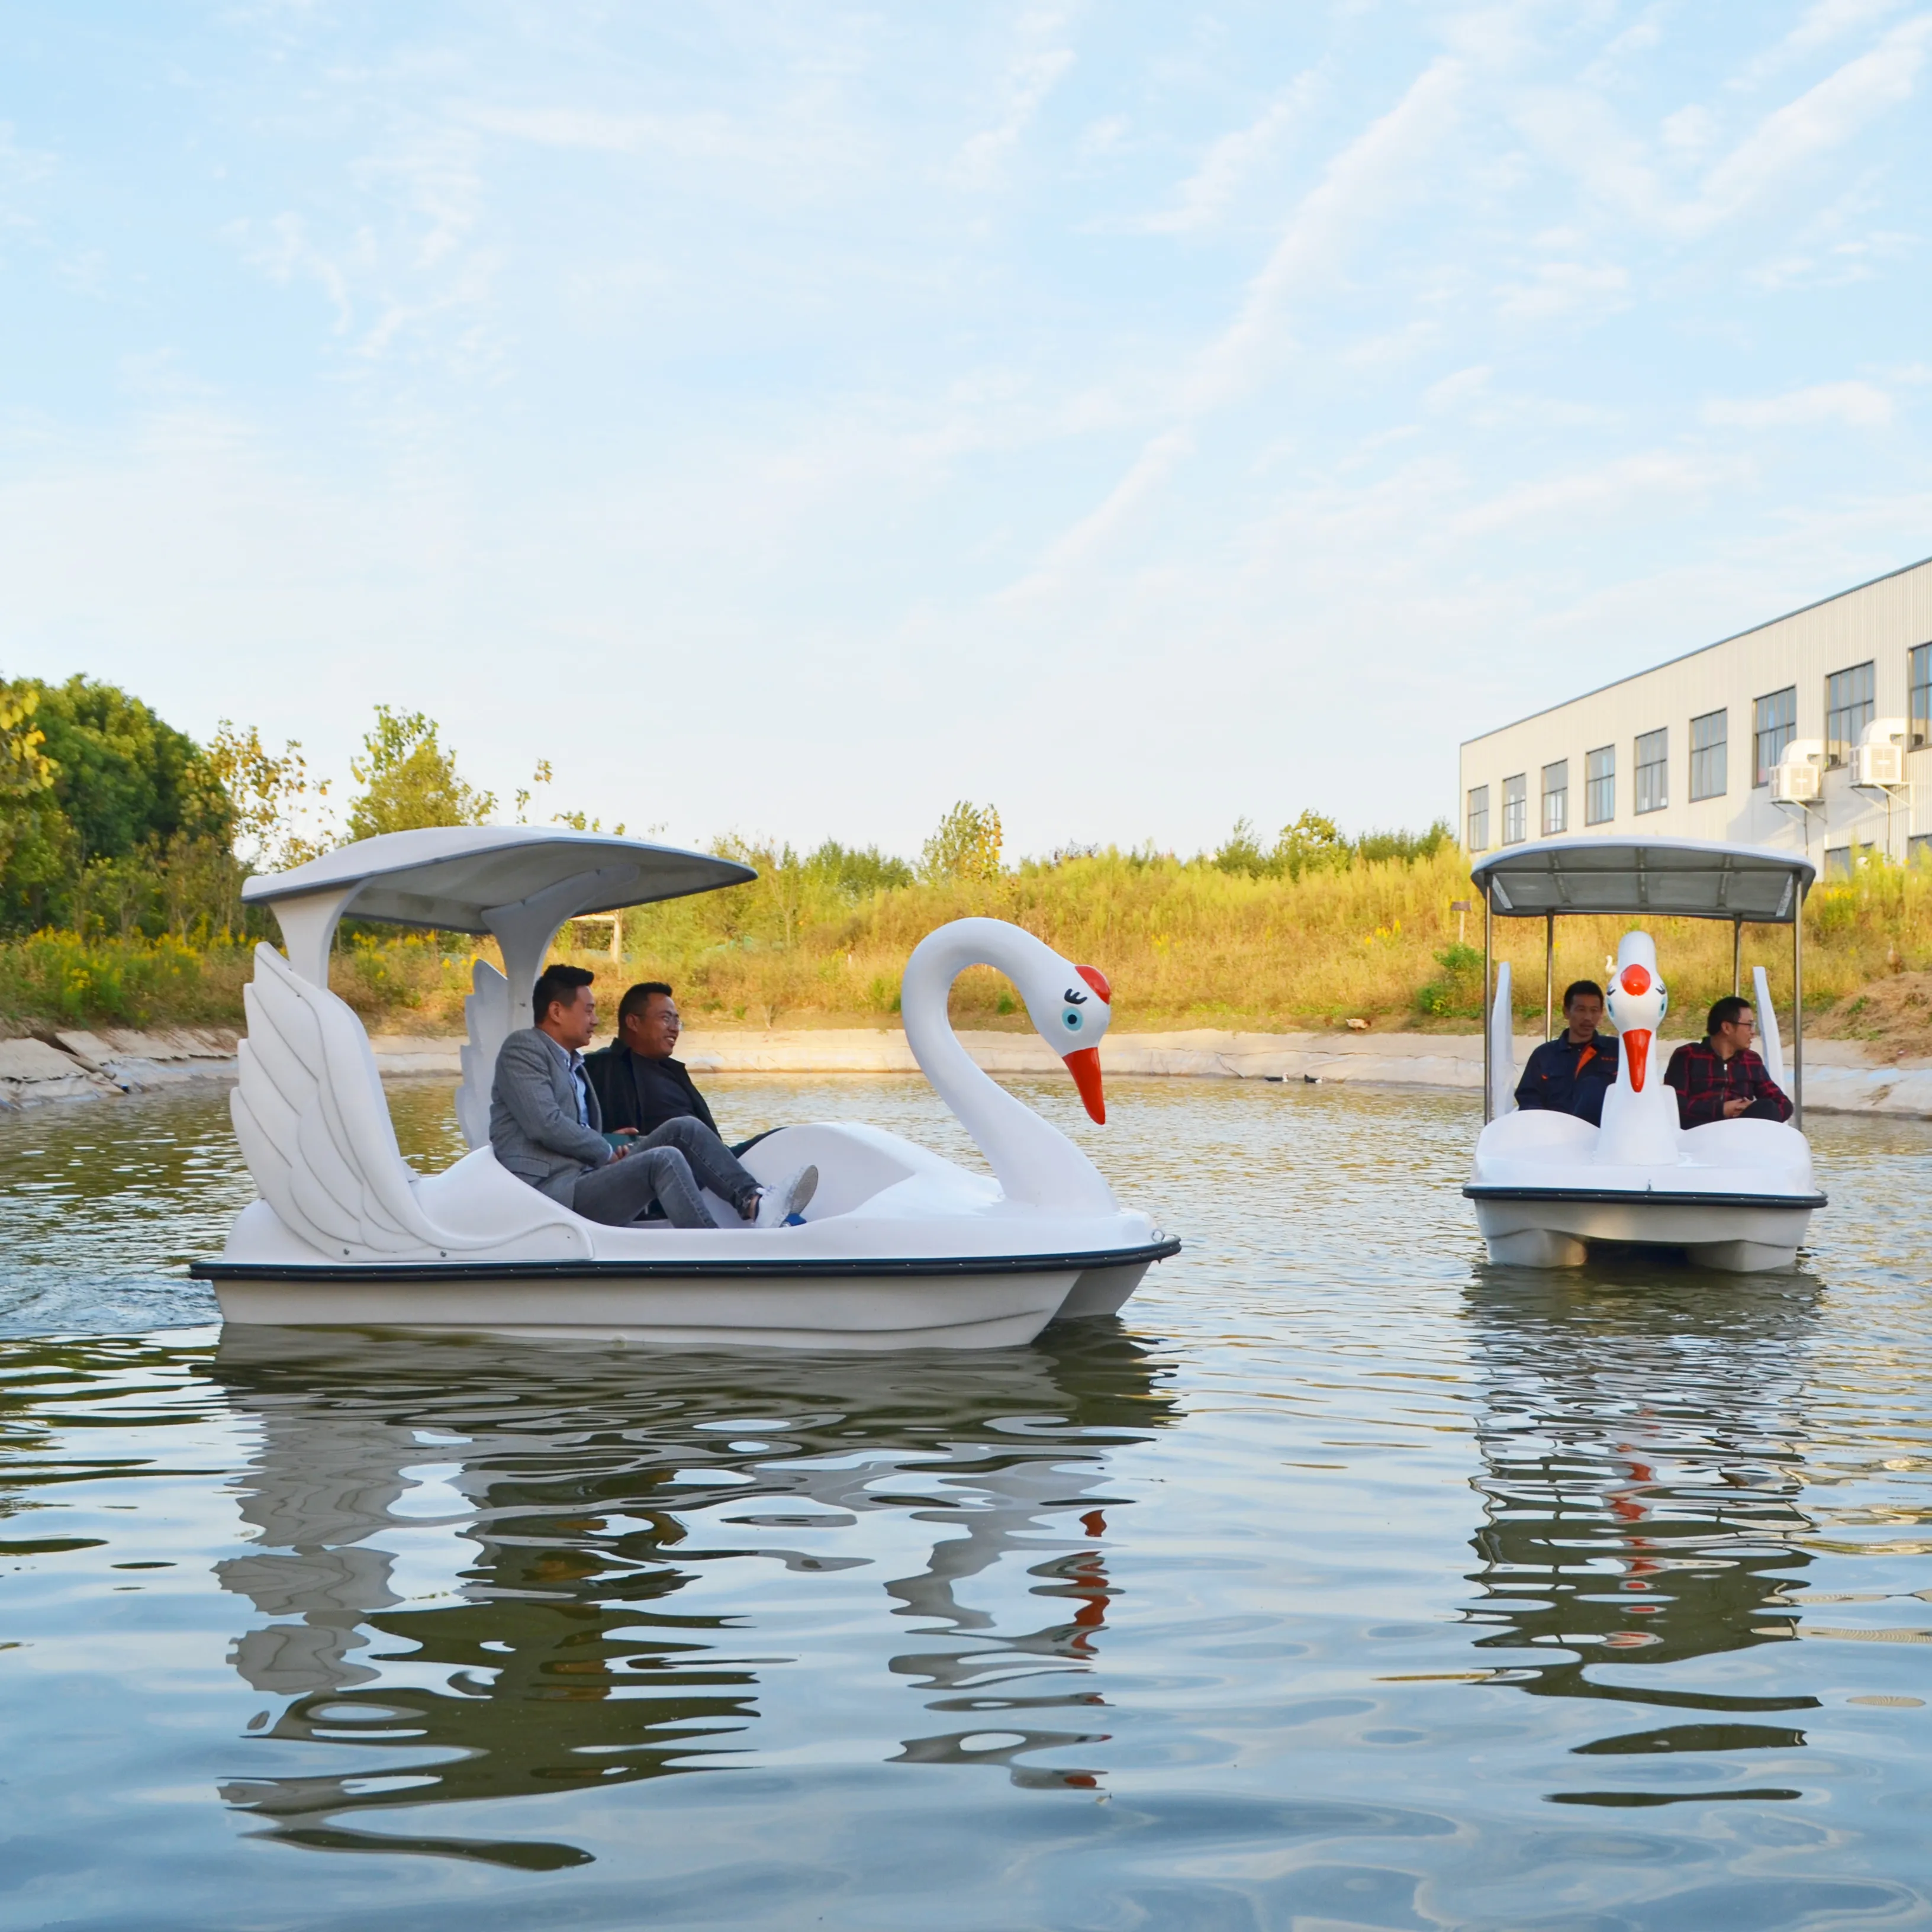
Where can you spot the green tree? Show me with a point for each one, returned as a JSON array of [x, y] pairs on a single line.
[[856, 873], [410, 780], [125, 778], [271, 799], [1312, 844], [100, 799], [1240, 851], [965, 846]]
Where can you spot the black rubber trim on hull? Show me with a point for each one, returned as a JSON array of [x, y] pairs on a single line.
[[1650, 1198], [721, 1271]]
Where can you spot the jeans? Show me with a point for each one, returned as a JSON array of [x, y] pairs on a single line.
[[667, 1166]]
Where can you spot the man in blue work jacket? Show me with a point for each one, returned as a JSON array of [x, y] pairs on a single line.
[[1571, 1073]]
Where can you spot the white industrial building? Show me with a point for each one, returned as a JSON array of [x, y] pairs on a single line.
[[1812, 732]]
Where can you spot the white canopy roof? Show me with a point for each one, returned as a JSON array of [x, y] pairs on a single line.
[[1676, 878], [454, 877]]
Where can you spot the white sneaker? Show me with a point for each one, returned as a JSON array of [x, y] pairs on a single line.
[[776, 1205]]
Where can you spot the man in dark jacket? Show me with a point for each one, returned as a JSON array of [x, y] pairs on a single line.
[[1719, 1078], [638, 1083], [1571, 1073]]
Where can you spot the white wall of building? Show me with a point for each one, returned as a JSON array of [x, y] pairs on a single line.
[[1879, 622]]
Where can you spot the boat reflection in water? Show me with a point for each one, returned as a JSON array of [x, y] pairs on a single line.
[[1641, 1449], [474, 1559]]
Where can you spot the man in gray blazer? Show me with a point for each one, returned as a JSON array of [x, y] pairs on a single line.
[[547, 1129]]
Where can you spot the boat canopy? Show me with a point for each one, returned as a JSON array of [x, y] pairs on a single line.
[[1672, 878], [520, 883], [454, 878]]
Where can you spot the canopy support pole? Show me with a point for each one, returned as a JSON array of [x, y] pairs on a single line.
[[1489, 933], [1737, 955], [1797, 1015], [1549, 975]]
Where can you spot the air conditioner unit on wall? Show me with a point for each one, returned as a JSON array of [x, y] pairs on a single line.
[[1878, 765], [1878, 759], [1799, 778]]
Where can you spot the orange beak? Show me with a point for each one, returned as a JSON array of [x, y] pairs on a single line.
[[1636, 1048], [1083, 1064]]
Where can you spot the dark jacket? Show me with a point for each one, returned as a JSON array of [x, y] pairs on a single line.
[[1704, 1083], [1563, 1078], [635, 1092]]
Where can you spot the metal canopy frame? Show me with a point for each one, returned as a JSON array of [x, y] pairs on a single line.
[[1662, 878]]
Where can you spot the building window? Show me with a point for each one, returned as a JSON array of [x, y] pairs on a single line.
[[1919, 679], [1516, 809], [1708, 745], [1773, 727], [1556, 797], [1919, 848], [1653, 771], [1600, 785], [1837, 863], [1850, 702], [1479, 818]]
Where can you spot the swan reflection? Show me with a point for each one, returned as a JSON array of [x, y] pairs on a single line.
[[485, 1571], [1641, 1449]]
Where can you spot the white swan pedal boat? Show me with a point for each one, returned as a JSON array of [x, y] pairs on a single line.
[[898, 1247], [1735, 1194]]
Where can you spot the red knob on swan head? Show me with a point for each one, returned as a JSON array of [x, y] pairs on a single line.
[[1634, 980], [1097, 980]]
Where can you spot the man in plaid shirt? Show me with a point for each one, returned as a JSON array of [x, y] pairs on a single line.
[[1719, 1078]]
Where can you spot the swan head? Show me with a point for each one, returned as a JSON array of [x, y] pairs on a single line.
[[1637, 1001], [1070, 1006]]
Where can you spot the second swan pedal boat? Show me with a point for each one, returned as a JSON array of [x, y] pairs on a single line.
[[1737, 1195], [899, 1247]]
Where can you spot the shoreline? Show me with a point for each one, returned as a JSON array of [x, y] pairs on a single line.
[[1841, 1076]]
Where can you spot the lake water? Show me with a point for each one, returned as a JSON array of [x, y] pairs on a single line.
[[1346, 1582]]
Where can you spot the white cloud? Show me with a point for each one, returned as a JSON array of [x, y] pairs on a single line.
[[1824, 117], [1579, 130], [1203, 199], [280, 248], [1034, 72], [699, 135], [1849, 405], [1454, 390], [1382, 167], [1603, 491], [1827, 21], [1558, 287]]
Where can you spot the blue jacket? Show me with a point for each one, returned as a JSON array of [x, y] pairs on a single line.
[[1563, 1078]]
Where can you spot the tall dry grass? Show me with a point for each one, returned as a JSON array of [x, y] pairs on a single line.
[[1185, 944]]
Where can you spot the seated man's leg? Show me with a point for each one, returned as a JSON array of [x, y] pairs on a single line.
[[714, 1164], [619, 1193], [1761, 1110]]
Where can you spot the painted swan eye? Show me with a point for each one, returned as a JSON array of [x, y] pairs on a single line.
[[1070, 1020], [1074, 999]]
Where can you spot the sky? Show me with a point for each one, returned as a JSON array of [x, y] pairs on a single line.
[[791, 419]]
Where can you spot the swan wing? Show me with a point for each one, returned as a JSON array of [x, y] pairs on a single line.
[[314, 1127], [487, 1011], [1502, 1047]]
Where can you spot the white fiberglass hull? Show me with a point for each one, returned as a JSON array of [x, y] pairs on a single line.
[[1736, 1195], [964, 1308], [1554, 1227], [900, 1249]]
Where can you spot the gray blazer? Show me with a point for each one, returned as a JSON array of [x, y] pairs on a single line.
[[533, 1124]]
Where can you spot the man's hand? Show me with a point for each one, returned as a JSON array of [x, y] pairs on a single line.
[[626, 1134], [1733, 1109]]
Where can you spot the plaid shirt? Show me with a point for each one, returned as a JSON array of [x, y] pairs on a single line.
[[1704, 1083]]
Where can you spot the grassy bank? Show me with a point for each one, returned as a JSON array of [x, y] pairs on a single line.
[[1186, 943]]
